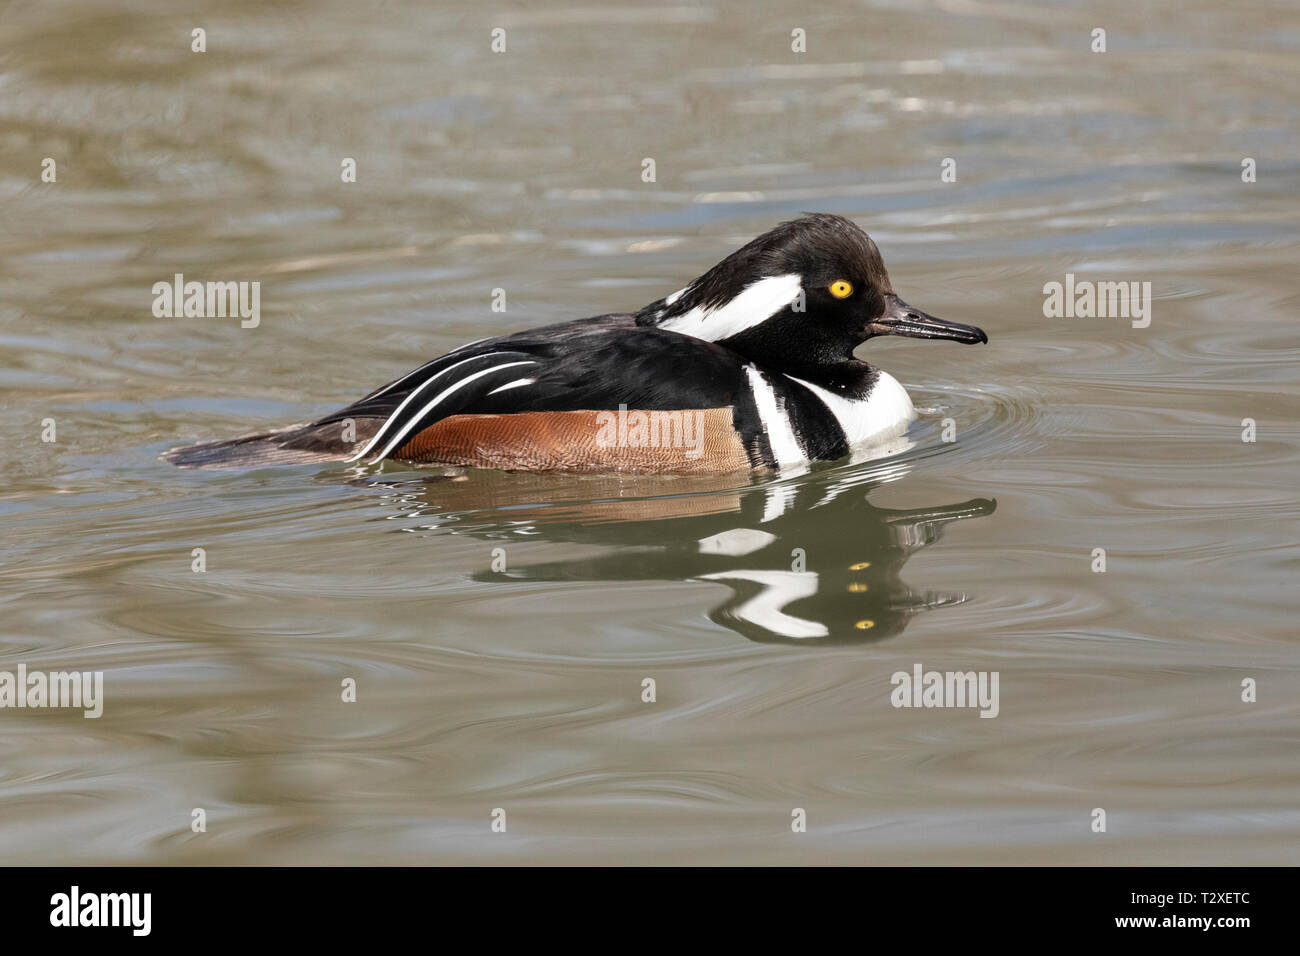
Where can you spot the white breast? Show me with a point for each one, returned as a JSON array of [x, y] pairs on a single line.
[[884, 413]]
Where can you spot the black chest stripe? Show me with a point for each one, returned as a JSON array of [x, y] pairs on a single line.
[[815, 426], [749, 426]]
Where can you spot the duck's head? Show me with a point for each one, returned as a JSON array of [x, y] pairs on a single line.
[[805, 294]]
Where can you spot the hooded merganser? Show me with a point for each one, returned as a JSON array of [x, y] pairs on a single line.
[[749, 366]]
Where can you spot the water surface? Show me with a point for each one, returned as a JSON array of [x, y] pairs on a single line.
[[772, 611]]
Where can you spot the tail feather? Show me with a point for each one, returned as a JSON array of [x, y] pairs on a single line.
[[311, 444]]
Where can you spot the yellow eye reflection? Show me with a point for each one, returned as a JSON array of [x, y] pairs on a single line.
[[841, 288]]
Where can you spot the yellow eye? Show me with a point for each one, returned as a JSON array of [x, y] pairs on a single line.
[[841, 289]]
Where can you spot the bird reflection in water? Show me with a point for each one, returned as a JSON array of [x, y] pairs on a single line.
[[808, 560]]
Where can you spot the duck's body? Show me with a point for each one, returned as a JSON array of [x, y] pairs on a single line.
[[750, 366]]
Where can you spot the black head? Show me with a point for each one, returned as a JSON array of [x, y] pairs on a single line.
[[803, 295]]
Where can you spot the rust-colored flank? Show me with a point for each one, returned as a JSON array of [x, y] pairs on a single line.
[[583, 441]]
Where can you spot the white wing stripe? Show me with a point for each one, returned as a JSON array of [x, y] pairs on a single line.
[[409, 375], [515, 384], [441, 395], [375, 439]]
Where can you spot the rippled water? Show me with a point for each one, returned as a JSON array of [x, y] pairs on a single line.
[[520, 688]]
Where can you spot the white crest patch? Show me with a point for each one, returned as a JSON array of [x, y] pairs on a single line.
[[757, 303]]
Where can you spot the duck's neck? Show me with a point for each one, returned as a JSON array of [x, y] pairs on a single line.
[[851, 378]]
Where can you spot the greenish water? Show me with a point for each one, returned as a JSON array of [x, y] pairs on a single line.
[[520, 687]]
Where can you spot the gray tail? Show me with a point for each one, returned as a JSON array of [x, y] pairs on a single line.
[[294, 445]]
